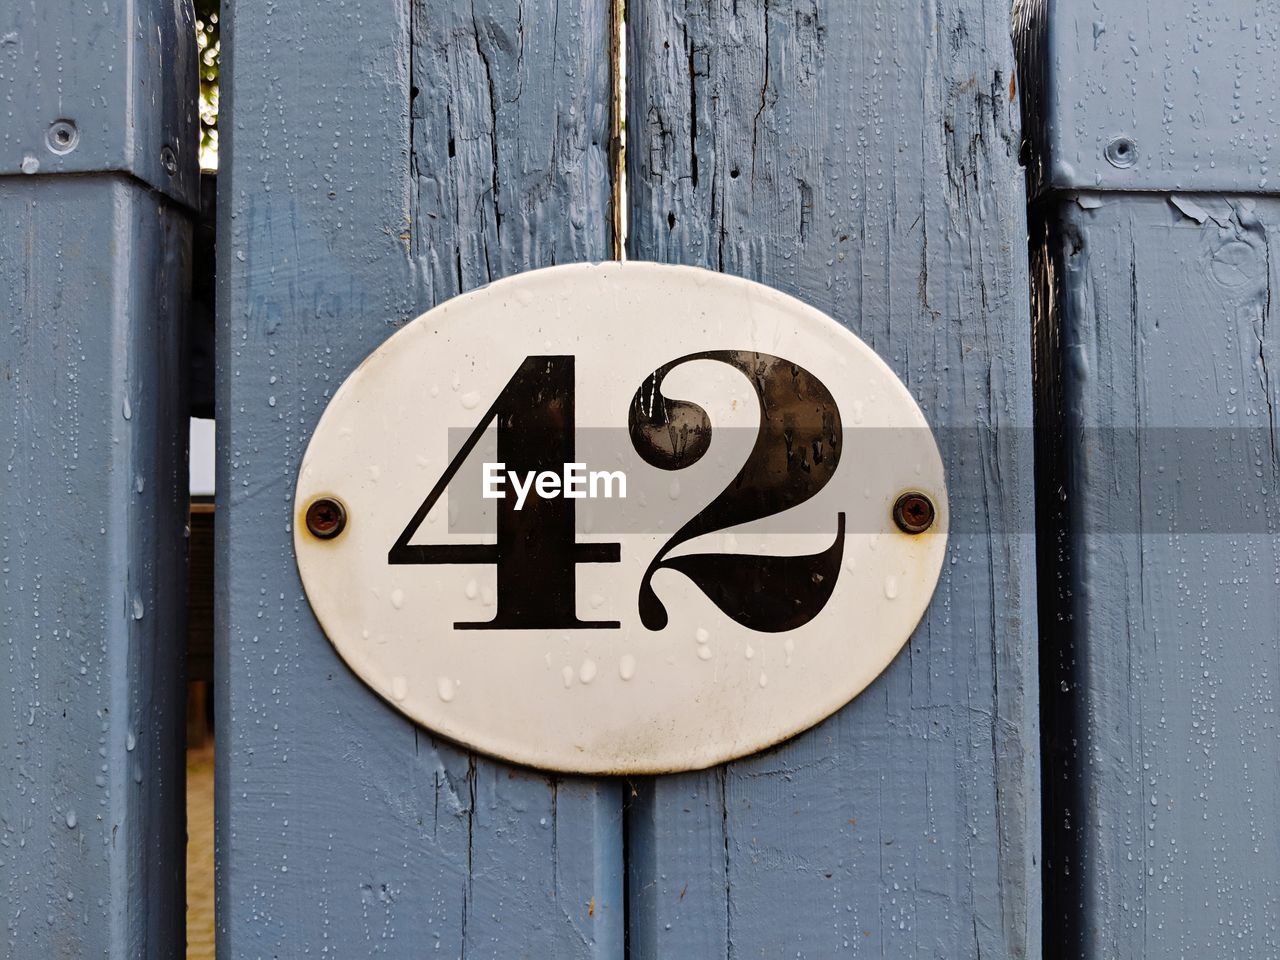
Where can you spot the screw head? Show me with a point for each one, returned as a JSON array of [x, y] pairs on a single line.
[[168, 160], [326, 518], [913, 512], [1121, 152], [62, 137]]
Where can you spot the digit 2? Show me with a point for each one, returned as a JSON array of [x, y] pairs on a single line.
[[796, 451]]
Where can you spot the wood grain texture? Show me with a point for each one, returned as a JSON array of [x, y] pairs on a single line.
[[1157, 355], [93, 482], [862, 156], [510, 129], [381, 157]]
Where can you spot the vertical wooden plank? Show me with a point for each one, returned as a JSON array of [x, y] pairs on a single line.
[[380, 157], [92, 567], [1157, 357], [863, 157], [1156, 407], [94, 273]]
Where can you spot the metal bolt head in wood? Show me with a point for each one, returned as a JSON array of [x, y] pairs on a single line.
[[913, 512], [326, 518]]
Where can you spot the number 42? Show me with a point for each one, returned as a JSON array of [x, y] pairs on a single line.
[[796, 452]]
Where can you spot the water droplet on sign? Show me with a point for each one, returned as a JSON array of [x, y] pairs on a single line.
[[445, 687], [627, 666]]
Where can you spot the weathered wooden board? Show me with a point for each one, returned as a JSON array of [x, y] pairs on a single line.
[[379, 157], [97, 158], [93, 274], [1158, 350], [862, 156], [1157, 432]]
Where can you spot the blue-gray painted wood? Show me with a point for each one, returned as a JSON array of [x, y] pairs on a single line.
[[1158, 355], [92, 568], [863, 157], [94, 281], [1157, 399], [377, 158], [122, 75], [1186, 91]]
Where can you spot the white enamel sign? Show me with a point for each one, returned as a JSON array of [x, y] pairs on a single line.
[[620, 518]]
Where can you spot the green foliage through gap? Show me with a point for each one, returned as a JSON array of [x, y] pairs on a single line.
[[209, 45]]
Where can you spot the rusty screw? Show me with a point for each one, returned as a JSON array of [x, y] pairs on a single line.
[[913, 513], [326, 518]]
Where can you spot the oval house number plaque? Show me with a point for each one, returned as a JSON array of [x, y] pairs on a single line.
[[620, 518]]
